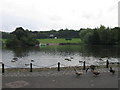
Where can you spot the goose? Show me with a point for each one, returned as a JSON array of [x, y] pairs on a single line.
[[92, 67], [68, 59], [95, 72], [80, 61], [101, 59], [15, 58], [118, 63], [78, 73], [32, 60], [112, 63], [71, 57], [87, 69], [26, 64], [111, 70]]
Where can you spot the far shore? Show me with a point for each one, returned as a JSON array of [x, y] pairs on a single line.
[[63, 44]]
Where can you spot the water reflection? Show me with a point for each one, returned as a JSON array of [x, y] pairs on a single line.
[[95, 51], [45, 56], [21, 52]]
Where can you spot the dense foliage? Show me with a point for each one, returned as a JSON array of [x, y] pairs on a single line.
[[102, 35], [96, 36], [19, 38], [62, 33]]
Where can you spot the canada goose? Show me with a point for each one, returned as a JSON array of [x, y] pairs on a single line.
[[67, 59], [78, 73], [71, 57], [27, 64], [32, 60], [95, 72], [92, 67], [87, 69], [111, 70], [118, 63], [112, 63], [80, 61], [101, 59], [15, 58]]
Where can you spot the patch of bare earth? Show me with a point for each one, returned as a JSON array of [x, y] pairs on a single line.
[[17, 84]]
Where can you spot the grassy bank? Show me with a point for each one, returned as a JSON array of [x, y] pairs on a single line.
[[61, 40], [55, 41], [74, 40]]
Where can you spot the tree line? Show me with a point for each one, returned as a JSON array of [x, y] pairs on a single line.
[[62, 33], [96, 36], [100, 36]]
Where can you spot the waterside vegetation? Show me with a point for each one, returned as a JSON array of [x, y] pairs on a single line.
[[96, 36]]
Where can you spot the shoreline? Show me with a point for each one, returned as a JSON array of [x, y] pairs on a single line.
[[52, 44], [53, 68]]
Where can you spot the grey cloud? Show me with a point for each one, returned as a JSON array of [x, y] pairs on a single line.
[[88, 16], [92, 16], [55, 18], [112, 8], [9, 22]]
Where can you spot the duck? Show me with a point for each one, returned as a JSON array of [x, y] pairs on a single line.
[[112, 71], [95, 72], [78, 73]]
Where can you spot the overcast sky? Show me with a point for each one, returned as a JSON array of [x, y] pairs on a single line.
[[42, 15]]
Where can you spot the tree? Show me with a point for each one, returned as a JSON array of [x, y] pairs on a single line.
[[83, 33], [102, 35], [95, 37], [20, 37]]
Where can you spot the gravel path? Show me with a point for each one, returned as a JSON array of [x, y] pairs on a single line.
[[61, 79]]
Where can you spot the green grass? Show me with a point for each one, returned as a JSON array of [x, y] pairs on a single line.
[[61, 40], [74, 40]]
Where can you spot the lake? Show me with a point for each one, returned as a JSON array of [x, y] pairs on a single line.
[[67, 55]]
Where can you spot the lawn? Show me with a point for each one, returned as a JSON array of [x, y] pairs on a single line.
[[61, 40], [74, 40]]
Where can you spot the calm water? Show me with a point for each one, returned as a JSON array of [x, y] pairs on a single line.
[[49, 56]]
